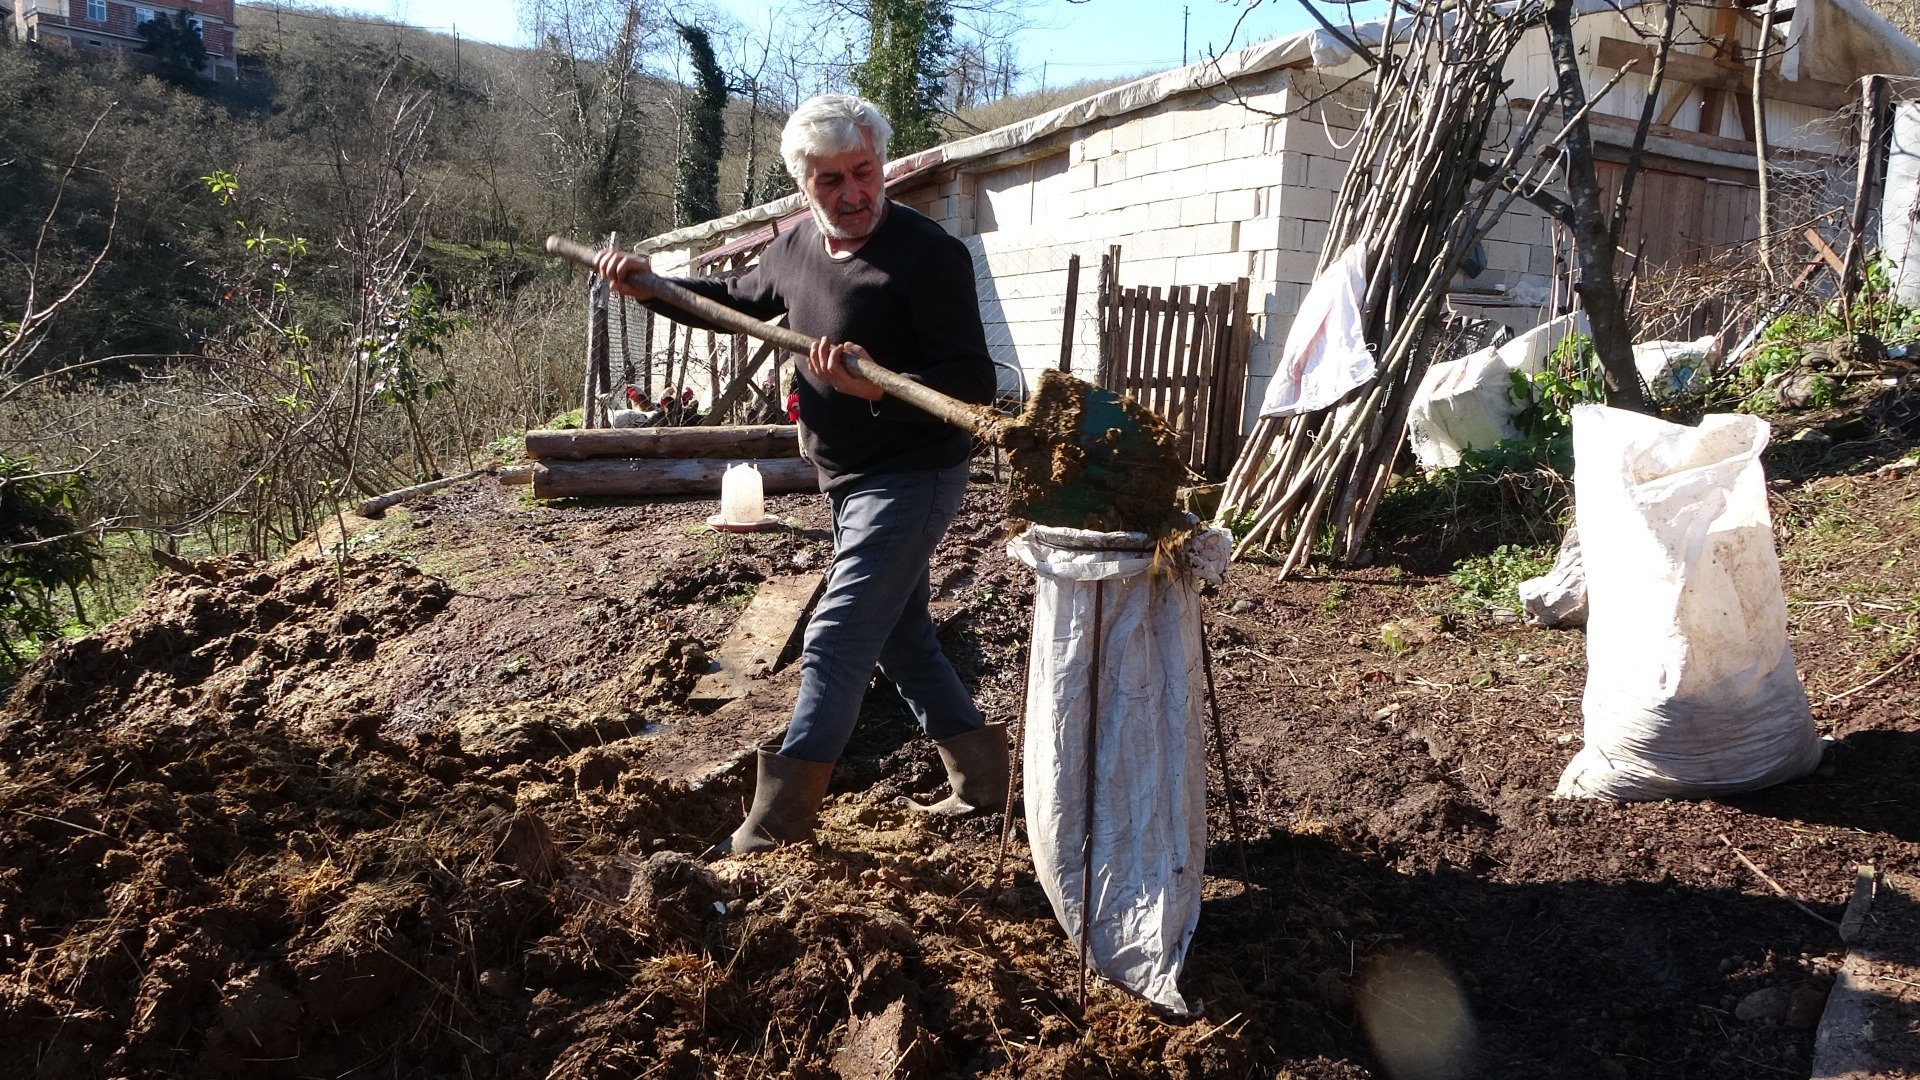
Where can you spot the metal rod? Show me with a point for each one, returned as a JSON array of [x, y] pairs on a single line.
[[1220, 748], [1093, 748]]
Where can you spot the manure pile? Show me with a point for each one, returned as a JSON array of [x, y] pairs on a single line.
[[215, 860]]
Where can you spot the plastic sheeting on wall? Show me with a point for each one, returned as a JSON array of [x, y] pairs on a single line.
[[1691, 688], [1900, 203], [1100, 608]]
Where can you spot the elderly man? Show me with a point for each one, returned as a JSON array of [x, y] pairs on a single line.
[[869, 278]]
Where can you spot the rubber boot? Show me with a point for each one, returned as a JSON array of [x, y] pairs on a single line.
[[786, 802], [976, 770]]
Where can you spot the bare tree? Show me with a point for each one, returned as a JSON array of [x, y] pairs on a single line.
[[595, 106]]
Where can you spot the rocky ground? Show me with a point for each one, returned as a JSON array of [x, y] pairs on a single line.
[[393, 814]]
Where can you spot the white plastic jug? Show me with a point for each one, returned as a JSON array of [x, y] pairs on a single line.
[[742, 501]]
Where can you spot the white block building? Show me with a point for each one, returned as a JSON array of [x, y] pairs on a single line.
[[1224, 170]]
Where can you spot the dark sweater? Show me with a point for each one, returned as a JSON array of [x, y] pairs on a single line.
[[907, 296]]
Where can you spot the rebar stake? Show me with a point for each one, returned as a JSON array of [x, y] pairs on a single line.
[[1093, 746]]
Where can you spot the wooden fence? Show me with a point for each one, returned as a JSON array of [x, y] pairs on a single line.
[[1181, 352]]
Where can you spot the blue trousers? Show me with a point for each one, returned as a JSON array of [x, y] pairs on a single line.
[[873, 614]]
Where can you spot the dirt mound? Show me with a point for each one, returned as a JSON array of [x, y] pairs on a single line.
[[221, 858], [428, 835]]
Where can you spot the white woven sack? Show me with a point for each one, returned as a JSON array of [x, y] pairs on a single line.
[[1691, 688], [1149, 805]]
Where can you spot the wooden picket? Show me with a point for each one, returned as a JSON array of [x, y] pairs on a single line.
[[1181, 352]]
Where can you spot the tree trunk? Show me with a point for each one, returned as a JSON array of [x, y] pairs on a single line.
[[753, 441], [644, 477], [1593, 235]]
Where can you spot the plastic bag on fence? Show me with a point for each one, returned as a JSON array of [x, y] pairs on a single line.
[[1691, 688], [1149, 796]]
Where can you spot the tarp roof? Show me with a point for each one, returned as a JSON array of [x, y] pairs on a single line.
[[1308, 47]]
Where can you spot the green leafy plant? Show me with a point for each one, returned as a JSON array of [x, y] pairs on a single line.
[[1546, 398], [408, 326], [43, 548], [1492, 580], [1875, 311]]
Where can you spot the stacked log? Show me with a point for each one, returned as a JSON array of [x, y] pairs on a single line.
[[665, 461]]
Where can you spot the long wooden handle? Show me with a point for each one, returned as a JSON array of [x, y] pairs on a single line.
[[971, 418]]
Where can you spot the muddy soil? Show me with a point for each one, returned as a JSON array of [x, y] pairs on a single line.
[[392, 813]]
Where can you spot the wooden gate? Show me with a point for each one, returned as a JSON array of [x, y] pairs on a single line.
[[1183, 355]]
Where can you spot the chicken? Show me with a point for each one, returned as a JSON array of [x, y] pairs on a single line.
[[623, 409]]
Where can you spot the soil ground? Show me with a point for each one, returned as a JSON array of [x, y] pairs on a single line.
[[401, 814]]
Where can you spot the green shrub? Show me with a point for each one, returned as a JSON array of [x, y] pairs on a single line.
[[43, 550]]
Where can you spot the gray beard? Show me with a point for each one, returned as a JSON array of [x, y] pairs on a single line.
[[828, 229]]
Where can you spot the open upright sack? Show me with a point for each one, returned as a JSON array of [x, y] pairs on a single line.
[[1117, 669], [1691, 688]]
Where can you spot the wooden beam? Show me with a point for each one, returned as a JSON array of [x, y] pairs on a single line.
[[752, 650], [1826, 253], [1713, 74], [738, 388], [1680, 93], [1725, 49], [1691, 138], [738, 442], [694, 750], [643, 477]]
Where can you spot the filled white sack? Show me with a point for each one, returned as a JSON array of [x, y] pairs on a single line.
[[1672, 368], [1149, 795], [1558, 597], [1467, 403], [1691, 688]]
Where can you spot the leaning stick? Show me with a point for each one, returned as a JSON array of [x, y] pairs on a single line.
[[378, 505], [977, 420]]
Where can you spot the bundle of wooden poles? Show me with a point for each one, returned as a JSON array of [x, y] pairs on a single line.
[[1423, 187], [664, 461]]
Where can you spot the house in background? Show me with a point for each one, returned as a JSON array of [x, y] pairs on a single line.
[[103, 27], [1229, 169]]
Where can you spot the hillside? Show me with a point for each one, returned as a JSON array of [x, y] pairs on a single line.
[[435, 807]]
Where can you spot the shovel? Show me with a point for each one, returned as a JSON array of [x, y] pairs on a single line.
[[1082, 456]]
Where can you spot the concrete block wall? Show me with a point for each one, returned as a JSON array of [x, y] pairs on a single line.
[[1197, 190], [1192, 190]]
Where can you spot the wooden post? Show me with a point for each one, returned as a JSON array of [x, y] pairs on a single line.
[[666, 370], [603, 358], [596, 343], [1066, 325], [1109, 315], [1869, 177], [646, 368]]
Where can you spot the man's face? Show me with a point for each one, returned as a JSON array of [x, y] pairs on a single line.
[[847, 192]]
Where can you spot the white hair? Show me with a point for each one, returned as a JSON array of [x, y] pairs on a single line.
[[832, 124]]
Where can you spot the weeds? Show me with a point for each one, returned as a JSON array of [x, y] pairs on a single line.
[[1493, 580], [1337, 595]]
